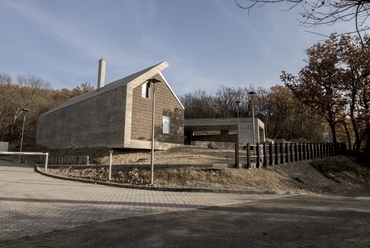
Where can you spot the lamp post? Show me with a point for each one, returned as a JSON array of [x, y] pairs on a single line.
[[153, 82], [237, 138], [252, 93], [24, 120]]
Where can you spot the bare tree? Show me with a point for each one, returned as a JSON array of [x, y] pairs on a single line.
[[28, 92], [25, 93], [198, 104], [322, 12], [225, 101], [290, 119]]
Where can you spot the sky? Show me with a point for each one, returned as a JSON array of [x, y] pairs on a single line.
[[207, 43]]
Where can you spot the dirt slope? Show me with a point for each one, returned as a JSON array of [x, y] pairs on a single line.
[[287, 178]]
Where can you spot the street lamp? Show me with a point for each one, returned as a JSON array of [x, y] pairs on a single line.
[[252, 93], [24, 120], [237, 103], [153, 82], [237, 138]]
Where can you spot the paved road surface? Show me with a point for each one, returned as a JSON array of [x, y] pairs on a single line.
[[31, 204], [72, 214]]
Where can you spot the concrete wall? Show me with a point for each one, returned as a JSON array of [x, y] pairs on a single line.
[[216, 138], [219, 145], [95, 122], [4, 146], [246, 131]]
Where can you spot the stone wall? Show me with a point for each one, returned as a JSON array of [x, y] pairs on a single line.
[[166, 105]]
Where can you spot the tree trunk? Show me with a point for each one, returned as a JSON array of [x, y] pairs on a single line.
[[348, 135], [333, 131], [367, 144]]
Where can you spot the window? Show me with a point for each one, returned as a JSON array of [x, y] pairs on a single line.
[[145, 90], [166, 124]]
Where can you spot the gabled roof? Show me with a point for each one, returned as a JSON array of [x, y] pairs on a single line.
[[134, 80], [165, 81]]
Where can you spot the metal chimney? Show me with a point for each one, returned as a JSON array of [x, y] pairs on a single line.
[[101, 74]]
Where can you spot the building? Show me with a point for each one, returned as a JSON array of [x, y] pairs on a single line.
[[117, 115], [224, 130]]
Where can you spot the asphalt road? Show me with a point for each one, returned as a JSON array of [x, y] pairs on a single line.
[[235, 221]]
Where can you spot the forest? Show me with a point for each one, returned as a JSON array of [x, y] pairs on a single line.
[[330, 94], [23, 100]]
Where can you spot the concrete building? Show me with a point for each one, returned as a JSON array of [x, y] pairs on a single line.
[[117, 115], [4, 146], [224, 130]]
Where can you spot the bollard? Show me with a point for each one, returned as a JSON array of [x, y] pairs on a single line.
[[46, 161], [110, 165]]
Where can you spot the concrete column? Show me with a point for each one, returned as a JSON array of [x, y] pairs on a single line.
[[224, 134]]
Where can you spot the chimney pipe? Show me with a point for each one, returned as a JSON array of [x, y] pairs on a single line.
[[101, 73]]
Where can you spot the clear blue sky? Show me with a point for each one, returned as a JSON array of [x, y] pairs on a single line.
[[207, 43]]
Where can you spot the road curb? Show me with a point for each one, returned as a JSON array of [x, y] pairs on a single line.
[[144, 187]]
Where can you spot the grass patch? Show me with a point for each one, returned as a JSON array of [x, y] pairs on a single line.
[[328, 167]]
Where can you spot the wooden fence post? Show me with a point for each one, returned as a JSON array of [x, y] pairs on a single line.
[[338, 149], [344, 148], [317, 150], [271, 157], [291, 152], [299, 151], [282, 153], [237, 165], [334, 150], [258, 162], [313, 150], [276, 154], [287, 152], [264, 155], [249, 165]]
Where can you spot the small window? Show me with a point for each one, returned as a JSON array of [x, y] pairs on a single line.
[[166, 124], [145, 90]]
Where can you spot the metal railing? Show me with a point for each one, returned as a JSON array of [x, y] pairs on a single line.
[[29, 153]]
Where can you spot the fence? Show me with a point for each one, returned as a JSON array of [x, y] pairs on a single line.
[[62, 160], [259, 155]]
